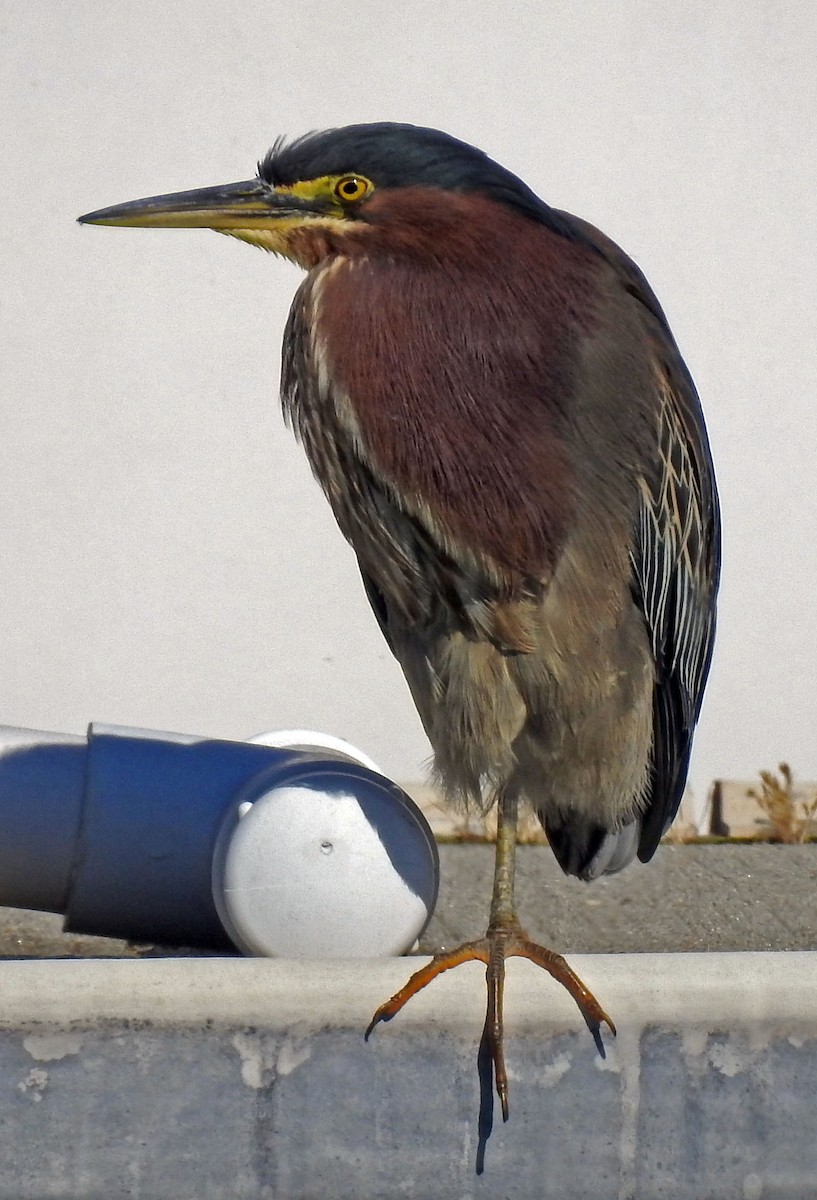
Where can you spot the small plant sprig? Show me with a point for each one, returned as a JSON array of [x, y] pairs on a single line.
[[791, 818]]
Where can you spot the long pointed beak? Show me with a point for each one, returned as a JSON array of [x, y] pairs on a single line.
[[251, 204]]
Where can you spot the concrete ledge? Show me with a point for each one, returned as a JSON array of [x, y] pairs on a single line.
[[214, 1078]]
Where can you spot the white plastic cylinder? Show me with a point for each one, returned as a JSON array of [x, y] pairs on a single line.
[[323, 858]]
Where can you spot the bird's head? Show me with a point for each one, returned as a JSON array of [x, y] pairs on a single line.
[[327, 191]]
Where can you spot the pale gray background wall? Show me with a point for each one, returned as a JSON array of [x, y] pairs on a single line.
[[165, 557]]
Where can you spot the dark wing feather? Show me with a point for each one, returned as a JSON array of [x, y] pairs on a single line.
[[378, 602], [676, 563], [676, 555]]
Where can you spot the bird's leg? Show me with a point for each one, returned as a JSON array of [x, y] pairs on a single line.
[[503, 939], [503, 925]]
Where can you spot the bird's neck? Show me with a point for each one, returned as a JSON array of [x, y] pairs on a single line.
[[451, 380]]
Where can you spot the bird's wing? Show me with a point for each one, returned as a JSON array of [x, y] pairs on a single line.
[[378, 602], [676, 551], [676, 563]]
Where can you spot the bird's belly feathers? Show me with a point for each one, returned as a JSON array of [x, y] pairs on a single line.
[[571, 721]]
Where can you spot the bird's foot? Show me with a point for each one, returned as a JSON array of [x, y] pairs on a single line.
[[497, 945]]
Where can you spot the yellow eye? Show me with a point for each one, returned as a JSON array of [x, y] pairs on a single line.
[[351, 188]]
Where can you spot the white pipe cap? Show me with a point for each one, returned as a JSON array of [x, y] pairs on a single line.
[[324, 859]]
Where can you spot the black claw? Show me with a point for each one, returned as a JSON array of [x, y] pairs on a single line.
[[485, 1120], [376, 1019], [595, 1029]]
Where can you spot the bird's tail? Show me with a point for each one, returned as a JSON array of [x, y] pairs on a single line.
[[588, 850]]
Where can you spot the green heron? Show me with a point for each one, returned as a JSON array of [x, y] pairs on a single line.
[[491, 398]]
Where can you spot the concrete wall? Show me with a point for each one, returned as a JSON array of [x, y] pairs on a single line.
[[201, 1080], [166, 558]]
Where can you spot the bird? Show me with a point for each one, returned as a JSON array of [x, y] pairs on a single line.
[[490, 396]]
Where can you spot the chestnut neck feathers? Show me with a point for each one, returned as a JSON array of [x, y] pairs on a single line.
[[450, 327]]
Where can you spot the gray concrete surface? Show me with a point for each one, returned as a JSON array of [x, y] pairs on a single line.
[[729, 897], [250, 1080], [704, 897]]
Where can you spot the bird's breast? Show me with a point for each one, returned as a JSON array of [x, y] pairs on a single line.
[[453, 387]]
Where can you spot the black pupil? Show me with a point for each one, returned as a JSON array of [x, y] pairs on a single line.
[[350, 187]]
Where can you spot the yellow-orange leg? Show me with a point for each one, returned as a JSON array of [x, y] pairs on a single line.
[[504, 939], [493, 949]]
